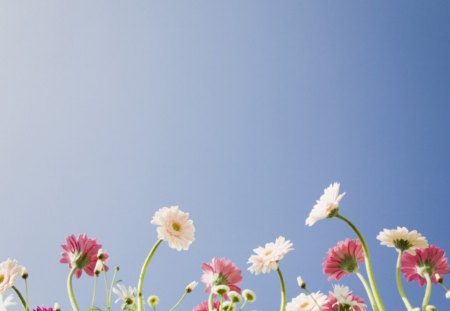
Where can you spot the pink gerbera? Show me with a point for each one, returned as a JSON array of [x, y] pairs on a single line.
[[429, 260], [343, 259], [81, 253], [43, 309], [204, 306], [221, 271]]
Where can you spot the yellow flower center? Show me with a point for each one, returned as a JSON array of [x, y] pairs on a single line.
[[304, 305], [2, 278], [176, 226], [268, 252]]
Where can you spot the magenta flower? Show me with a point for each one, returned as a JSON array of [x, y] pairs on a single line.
[[430, 259], [43, 309], [81, 253], [204, 306], [221, 271], [343, 259]]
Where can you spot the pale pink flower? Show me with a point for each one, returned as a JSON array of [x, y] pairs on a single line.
[[9, 271], [175, 227], [81, 253], [307, 302], [402, 239], [429, 260], [204, 306], [221, 271], [266, 258], [341, 298], [326, 205], [343, 259]]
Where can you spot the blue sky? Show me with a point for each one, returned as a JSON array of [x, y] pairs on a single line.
[[241, 112]]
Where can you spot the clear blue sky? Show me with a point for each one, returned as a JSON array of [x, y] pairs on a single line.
[[241, 112]]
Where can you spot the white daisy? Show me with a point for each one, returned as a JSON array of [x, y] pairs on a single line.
[[402, 239], [175, 227], [9, 270], [326, 205], [306, 302], [344, 297], [8, 302], [266, 258], [127, 295]]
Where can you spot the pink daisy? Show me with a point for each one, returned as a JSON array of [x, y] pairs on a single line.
[[341, 298], [43, 309], [221, 271], [82, 252], [343, 259], [204, 306], [430, 259]]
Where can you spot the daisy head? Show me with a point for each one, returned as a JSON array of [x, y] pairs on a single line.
[[430, 260], [8, 302], [9, 271], [327, 206], [127, 295], [221, 271], [402, 239], [175, 227], [343, 259], [313, 302], [341, 298], [266, 258], [204, 306], [81, 252]]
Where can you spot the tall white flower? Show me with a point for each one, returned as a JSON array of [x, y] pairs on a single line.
[[326, 205], [306, 302], [344, 297], [9, 271], [8, 302], [266, 258], [175, 227], [127, 295], [402, 239]]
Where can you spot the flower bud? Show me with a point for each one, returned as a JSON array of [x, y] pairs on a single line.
[[191, 286], [301, 283], [447, 294], [234, 297], [430, 308], [98, 267], [228, 306], [249, 295], [220, 290], [439, 278], [153, 301], [24, 273], [56, 307]]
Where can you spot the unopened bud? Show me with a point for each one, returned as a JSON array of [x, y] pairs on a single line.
[[228, 306], [447, 294], [249, 295], [98, 267], [56, 307], [24, 273], [220, 289], [439, 278], [100, 254], [191, 286], [430, 308], [301, 283], [234, 297], [153, 301]]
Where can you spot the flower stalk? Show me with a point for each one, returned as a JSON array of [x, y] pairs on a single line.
[[22, 300], [399, 282], [368, 290], [426, 297], [283, 291], [73, 301]]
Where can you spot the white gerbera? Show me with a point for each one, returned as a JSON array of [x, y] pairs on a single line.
[[266, 258], [8, 302], [402, 239], [127, 295], [175, 227], [344, 297], [326, 205], [9, 270], [306, 302]]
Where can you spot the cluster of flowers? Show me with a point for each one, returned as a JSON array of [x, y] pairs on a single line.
[[418, 261]]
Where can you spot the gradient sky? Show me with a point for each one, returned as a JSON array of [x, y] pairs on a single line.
[[241, 113]]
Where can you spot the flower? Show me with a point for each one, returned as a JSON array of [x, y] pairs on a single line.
[[43, 309], [249, 295], [327, 205], [235, 297], [57, 307], [204, 306], [221, 271], [343, 259], [191, 286], [153, 301], [402, 239], [429, 260], [447, 294], [127, 295], [8, 302], [175, 227], [266, 258], [341, 298], [81, 253], [306, 302], [9, 270]]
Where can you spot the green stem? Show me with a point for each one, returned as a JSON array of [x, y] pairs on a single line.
[[399, 282], [283, 291], [22, 300], [70, 290], [94, 291], [179, 301], [220, 302], [243, 304], [210, 301], [26, 295], [314, 299], [111, 287], [368, 290], [426, 297], [108, 307], [367, 261], [142, 275]]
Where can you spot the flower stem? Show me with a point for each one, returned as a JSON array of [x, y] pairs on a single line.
[[26, 295], [142, 275], [399, 282], [70, 290], [94, 291], [368, 263], [111, 287], [368, 290], [22, 300], [210, 301], [179, 301], [243, 304], [108, 306], [283, 291], [313, 299], [426, 297]]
